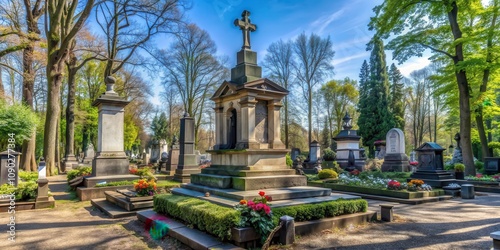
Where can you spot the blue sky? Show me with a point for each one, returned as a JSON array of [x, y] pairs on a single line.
[[345, 21]]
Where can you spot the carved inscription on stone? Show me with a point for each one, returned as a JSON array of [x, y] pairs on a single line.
[[261, 122]]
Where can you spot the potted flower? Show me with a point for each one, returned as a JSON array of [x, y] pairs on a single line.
[[257, 214], [459, 171]]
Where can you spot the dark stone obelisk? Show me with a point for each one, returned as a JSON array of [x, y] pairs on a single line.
[[187, 158]]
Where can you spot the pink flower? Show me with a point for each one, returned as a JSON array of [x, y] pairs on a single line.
[[267, 209]]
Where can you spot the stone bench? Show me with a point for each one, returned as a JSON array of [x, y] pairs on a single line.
[[467, 191], [386, 212]]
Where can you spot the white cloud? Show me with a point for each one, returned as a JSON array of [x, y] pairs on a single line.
[[320, 24], [411, 65], [337, 61]]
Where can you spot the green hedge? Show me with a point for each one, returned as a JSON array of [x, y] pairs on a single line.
[[321, 210], [214, 219], [218, 220], [384, 192]]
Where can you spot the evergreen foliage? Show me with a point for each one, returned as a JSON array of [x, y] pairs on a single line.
[[375, 118], [396, 98]]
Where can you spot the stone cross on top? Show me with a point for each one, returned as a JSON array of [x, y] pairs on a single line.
[[246, 27]]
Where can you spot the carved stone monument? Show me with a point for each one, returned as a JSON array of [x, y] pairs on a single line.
[[430, 165], [187, 158], [110, 162], [155, 152], [395, 159], [314, 155], [349, 155], [89, 154]]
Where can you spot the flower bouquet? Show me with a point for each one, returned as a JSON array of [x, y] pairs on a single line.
[[145, 188], [257, 214]]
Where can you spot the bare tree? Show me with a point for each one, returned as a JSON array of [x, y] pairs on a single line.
[[314, 55], [62, 23], [129, 24], [279, 61], [192, 66]]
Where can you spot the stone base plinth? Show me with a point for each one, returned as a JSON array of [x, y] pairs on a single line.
[[184, 175], [432, 175], [359, 164], [251, 159], [110, 165], [70, 162], [395, 163]]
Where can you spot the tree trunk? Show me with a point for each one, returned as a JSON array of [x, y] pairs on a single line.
[[70, 110], [286, 122], [309, 116], [482, 133], [54, 81], [463, 95], [2, 89], [28, 148]]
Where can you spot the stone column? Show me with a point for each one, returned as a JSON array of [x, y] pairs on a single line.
[[274, 125], [110, 158], [187, 158], [248, 123], [219, 125]]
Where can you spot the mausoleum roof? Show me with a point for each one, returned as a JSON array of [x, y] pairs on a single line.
[[260, 86]]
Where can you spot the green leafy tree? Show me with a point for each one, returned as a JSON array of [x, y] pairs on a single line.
[[16, 121], [339, 97], [375, 118], [420, 25], [397, 104], [159, 126]]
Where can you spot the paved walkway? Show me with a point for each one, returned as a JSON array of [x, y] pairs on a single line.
[[453, 224]]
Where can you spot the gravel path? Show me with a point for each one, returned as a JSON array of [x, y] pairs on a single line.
[[452, 224]]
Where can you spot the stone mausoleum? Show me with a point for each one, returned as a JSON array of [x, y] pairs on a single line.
[[249, 154]]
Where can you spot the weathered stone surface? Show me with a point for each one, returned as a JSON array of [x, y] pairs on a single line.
[[264, 182], [467, 191], [209, 180]]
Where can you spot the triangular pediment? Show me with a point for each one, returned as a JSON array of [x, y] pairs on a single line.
[[265, 84], [226, 88]]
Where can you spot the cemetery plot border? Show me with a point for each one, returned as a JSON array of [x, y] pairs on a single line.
[[382, 192]]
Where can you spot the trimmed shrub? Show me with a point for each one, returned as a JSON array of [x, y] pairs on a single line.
[[459, 167], [329, 155], [214, 219], [479, 165], [327, 173], [28, 176], [321, 210], [80, 171]]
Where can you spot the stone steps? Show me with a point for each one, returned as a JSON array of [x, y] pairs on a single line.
[[210, 180], [276, 194], [245, 167], [298, 199], [121, 201], [247, 173]]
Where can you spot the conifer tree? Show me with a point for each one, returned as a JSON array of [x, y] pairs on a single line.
[[375, 118], [396, 97]]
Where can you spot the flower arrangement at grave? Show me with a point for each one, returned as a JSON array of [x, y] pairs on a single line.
[[256, 214], [418, 185], [394, 185], [483, 177], [145, 188], [355, 172], [414, 163], [133, 171]]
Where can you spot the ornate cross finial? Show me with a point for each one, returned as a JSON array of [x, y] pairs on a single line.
[[246, 27]]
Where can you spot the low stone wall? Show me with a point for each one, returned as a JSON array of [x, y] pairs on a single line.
[[390, 193]]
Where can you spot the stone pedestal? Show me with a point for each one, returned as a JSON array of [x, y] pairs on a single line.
[[468, 191], [110, 158], [187, 158], [43, 190], [496, 240], [430, 165], [349, 155], [287, 231], [70, 162], [386, 213]]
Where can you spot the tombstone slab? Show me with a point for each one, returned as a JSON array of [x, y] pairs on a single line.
[[9, 159], [187, 157], [395, 158]]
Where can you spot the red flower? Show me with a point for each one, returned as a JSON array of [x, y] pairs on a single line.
[[262, 193], [269, 198]]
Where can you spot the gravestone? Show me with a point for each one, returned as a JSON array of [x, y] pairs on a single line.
[[155, 152], [89, 154], [9, 167], [187, 158], [145, 157], [457, 152], [295, 152], [395, 158], [431, 166], [492, 165], [314, 155], [173, 157]]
